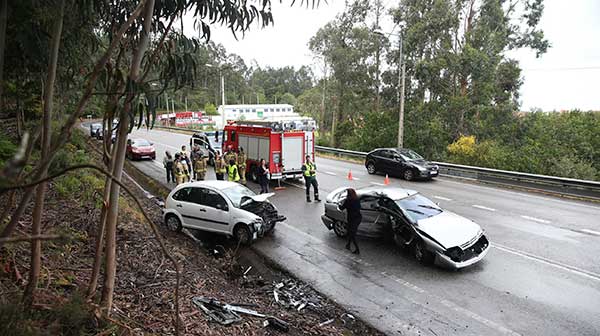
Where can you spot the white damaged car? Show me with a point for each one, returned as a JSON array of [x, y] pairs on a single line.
[[415, 222], [222, 207]]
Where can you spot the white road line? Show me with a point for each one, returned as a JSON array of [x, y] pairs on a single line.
[[443, 198], [356, 178], [162, 144], [479, 318], [550, 262], [483, 207], [158, 164], [592, 232], [377, 183], [330, 173], [539, 220]]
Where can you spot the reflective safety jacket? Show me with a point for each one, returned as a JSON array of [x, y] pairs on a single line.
[[200, 165], [180, 169], [309, 169], [241, 159], [220, 166], [232, 174]]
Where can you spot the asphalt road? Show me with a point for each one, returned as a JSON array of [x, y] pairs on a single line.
[[541, 277]]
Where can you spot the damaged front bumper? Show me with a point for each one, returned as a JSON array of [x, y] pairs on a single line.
[[471, 255]]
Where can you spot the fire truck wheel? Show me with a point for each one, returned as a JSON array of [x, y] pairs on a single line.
[[253, 174]]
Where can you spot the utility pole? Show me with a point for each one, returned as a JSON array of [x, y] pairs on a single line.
[[222, 96], [401, 70]]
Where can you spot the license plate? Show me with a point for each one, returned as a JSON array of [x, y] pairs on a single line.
[[434, 173], [145, 157], [254, 235]]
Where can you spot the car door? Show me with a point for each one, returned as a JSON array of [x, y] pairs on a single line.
[[374, 223], [216, 211], [389, 162], [379, 159], [186, 204]]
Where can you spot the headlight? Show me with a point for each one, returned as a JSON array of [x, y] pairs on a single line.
[[455, 253], [257, 224], [423, 169]]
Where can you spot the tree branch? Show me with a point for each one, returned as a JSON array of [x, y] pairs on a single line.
[[20, 239]]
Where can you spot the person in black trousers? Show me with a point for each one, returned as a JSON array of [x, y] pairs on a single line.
[[352, 206], [263, 177]]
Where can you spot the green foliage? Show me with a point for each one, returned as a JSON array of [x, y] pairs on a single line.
[[72, 318], [7, 149], [376, 129], [287, 98], [210, 109]]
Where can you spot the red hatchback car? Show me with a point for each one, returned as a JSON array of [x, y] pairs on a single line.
[[138, 149]]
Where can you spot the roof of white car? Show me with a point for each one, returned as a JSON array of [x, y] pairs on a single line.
[[215, 184], [394, 193]]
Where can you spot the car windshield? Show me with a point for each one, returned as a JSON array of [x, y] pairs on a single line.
[[418, 207], [410, 155], [235, 194], [141, 143]]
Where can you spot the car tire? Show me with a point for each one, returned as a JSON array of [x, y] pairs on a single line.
[[340, 228], [422, 255], [408, 175], [253, 174], [242, 234], [173, 223], [371, 169]]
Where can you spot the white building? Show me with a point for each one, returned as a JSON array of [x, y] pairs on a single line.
[[256, 112]]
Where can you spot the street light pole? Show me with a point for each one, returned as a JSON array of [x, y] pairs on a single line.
[[222, 95], [401, 75]]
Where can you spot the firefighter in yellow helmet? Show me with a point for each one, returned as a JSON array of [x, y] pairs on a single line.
[[241, 164], [181, 172], [232, 172], [220, 166], [200, 165]]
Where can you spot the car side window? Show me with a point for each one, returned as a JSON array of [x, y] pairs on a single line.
[[368, 203], [183, 195], [214, 200], [197, 195]]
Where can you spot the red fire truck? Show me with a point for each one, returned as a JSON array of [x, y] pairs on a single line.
[[284, 151]]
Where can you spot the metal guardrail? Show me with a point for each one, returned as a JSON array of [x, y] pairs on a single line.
[[552, 184]]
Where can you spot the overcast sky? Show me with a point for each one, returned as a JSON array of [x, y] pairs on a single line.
[[566, 77]]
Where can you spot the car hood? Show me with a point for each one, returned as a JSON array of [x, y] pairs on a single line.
[[261, 197], [422, 163], [449, 229]]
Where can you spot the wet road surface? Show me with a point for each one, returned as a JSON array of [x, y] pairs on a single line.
[[541, 276]]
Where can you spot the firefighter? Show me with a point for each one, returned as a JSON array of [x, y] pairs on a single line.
[[200, 165], [194, 156], [241, 163], [230, 155], [232, 172], [185, 157], [181, 173], [220, 166], [309, 170]]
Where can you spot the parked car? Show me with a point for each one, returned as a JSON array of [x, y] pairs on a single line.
[[223, 207], [95, 129], [400, 162], [138, 149], [414, 222]]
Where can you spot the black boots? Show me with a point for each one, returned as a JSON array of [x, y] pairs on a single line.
[[308, 199], [317, 198]]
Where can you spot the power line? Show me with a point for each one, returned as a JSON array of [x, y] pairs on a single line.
[[564, 68]]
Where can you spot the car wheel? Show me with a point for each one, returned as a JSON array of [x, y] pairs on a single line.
[[173, 223], [340, 228], [371, 168], [253, 174], [422, 254], [409, 175], [242, 234]]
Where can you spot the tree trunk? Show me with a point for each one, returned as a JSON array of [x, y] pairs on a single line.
[[119, 158], [70, 123], [3, 21], [38, 210]]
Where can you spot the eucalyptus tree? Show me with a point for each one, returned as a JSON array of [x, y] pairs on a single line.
[[458, 62]]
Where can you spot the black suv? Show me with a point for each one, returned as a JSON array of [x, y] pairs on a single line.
[[400, 161]]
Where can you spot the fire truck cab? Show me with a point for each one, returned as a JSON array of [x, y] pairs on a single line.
[[284, 151]]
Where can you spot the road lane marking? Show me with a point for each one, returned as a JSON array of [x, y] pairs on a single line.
[[539, 220], [404, 283], [443, 198], [158, 164], [483, 207], [165, 145], [592, 232], [356, 178], [549, 262], [479, 318], [377, 183], [330, 173]]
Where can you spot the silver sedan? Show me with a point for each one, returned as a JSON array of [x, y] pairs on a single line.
[[414, 222]]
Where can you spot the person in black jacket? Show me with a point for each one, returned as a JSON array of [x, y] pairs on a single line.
[[263, 177], [352, 206]]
